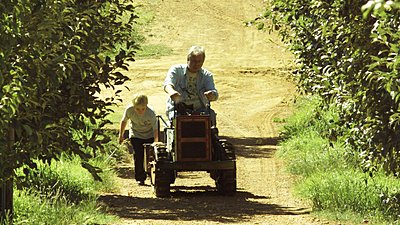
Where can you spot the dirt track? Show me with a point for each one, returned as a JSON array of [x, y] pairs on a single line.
[[250, 77]]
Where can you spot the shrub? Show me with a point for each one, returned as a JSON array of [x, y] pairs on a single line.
[[348, 54]]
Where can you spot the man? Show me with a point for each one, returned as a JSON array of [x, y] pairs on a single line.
[[191, 84]]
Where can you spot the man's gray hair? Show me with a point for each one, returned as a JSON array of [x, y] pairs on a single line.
[[196, 50]]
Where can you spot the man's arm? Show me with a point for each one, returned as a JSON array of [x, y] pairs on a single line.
[[173, 94], [155, 135], [211, 92]]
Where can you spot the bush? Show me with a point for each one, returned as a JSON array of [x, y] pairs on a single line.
[[348, 54]]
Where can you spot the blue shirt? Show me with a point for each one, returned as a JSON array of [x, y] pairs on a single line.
[[176, 77]]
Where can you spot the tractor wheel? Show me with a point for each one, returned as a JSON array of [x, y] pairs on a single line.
[[160, 181], [223, 150], [173, 175], [226, 182], [228, 150]]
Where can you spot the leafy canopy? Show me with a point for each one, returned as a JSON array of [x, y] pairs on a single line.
[[56, 57], [348, 53]]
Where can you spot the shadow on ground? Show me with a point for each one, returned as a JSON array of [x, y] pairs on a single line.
[[199, 203], [202, 203], [254, 147], [125, 172]]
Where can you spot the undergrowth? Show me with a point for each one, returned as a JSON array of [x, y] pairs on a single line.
[[32, 208], [63, 192], [337, 188]]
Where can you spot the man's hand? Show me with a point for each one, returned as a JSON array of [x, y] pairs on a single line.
[[173, 94], [176, 97], [210, 95]]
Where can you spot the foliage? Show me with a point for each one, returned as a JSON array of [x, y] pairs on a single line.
[[53, 64], [308, 153], [307, 139], [31, 208], [348, 53], [65, 193], [354, 191], [67, 179], [330, 177], [310, 118]]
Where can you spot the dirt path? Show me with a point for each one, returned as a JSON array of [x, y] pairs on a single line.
[[250, 76]]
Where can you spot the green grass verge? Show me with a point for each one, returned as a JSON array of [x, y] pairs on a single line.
[[153, 51], [352, 192], [146, 13], [64, 192], [309, 153], [331, 179], [32, 208], [67, 178]]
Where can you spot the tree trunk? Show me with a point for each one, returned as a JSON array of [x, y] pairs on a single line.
[[6, 187], [6, 200]]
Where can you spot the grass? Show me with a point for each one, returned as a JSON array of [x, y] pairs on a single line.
[[145, 11], [352, 192], [309, 153], [153, 51], [330, 177], [64, 192], [146, 15], [32, 208]]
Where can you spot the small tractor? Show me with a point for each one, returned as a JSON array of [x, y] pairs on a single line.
[[189, 143]]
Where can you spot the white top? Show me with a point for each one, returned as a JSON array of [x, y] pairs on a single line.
[[142, 126]]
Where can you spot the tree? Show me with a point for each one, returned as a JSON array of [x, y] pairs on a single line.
[[55, 59], [348, 53]]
